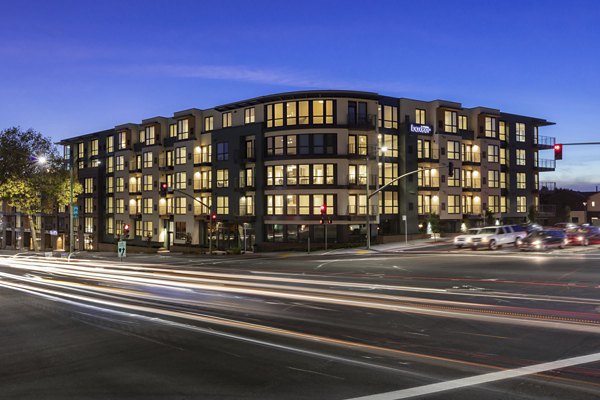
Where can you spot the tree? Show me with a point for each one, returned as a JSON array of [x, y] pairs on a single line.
[[532, 214], [27, 184], [434, 220]]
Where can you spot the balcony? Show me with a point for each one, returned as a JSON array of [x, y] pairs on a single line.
[[545, 164], [547, 186], [431, 155], [473, 157], [427, 183], [545, 142], [362, 122], [471, 184], [201, 158]]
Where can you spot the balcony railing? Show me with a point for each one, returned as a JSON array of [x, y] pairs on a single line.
[[471, 156], [545, 164], [363, 122], [546, 142], [546, 210], [548, 186]]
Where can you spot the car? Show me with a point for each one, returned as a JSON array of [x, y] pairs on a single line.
[[531, 227], [543, 240], [565, 226], [465, 239], [584, 236], [493, 237]]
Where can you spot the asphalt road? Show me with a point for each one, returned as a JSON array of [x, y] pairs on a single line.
[[435, 325]]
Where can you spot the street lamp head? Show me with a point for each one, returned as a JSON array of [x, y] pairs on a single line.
[[42, 160]]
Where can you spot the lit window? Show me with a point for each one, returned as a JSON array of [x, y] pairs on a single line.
[[450, 121], [521, 204], [249, 116], [420, 116], [490, 127], [520, 132], [226, 117], [520, 157], [208, 124]]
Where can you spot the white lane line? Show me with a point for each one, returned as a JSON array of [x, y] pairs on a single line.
[[479, 379]]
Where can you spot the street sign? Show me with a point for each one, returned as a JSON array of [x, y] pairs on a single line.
[[75, 211], [122, 249], [404, 218]]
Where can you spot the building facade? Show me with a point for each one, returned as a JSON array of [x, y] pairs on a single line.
[[265, 166]]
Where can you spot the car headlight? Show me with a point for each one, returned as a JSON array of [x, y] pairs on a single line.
[[536, 242], [580, 238], [485, 239], [468, 240]]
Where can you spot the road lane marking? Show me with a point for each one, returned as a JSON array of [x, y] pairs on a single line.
[[481, 379]]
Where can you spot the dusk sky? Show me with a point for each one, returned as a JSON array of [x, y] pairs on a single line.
[[73, 67]]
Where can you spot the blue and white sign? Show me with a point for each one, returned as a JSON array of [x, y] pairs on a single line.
[[422, 129], [75, 211]]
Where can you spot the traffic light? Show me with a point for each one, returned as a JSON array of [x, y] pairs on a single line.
[[213, 217], [450, 169], [329, 221], [323, 213], [558, 151], [126, 230], [163, 189]]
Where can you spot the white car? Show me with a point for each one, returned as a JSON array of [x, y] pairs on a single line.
[[493, 237], [465, 240]]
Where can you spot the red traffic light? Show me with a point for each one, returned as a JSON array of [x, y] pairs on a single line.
[[126, 229], [324, 209], [214, 216], [558, 151]]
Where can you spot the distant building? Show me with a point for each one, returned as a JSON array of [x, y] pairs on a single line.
[[269, 163]]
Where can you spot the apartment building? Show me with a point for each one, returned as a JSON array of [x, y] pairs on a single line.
[[264, 167]]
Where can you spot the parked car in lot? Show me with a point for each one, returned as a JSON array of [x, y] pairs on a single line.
[[493, 237], [584, 236], [465, 240], [543, 240]]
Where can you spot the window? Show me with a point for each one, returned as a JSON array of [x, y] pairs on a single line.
[[357, 204], [390, 203], [520, 132], [275, 205], [503, 204], [428, 178], [303, 112], [147, 206], [291, 174], [420, 116], [463, 123], [183, 129], [521, 180], [147, 183], [493, 179], [390, 142], [94, 147], [521, 204], [503, 180], [88, 186], [249, 148], [424, 204], [453, 204], [357, 144], [494, 204], [291, 144], [180, 180], [180, 155], [208, 124], [390, 117], [453, 150], [503, 130], [521, 157], [450, 123], [180, 231], [304, 204], [122, 140], [388, 172], [304, 174], [223, 151], [423, 148], [120, 186], [357, 174], [120, 206], [110, 205], [503, 156], [173, 130], [110, 229], [223, 205], [291, 204], [249, 115], [149, 135], [226, 119], [222, 178], [110, 144], [120, 163], [493, 153], [202, 154], [109, 184], [470, 153], [110, 165], [490, 127], [320, 199], [135, 184], [247, 205], [88, 205], [180, 205], [88, 226], [147, 229], [147, 159], [322, 111], [454, 180]]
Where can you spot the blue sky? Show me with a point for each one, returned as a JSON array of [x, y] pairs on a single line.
[[74, 67]]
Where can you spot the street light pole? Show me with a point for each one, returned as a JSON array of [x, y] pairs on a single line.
[[70, 205], [369, 195]]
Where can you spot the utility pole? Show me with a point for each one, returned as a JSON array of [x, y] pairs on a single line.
[[71, 178]]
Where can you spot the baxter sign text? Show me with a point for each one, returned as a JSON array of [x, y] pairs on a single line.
[[416, 128]]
